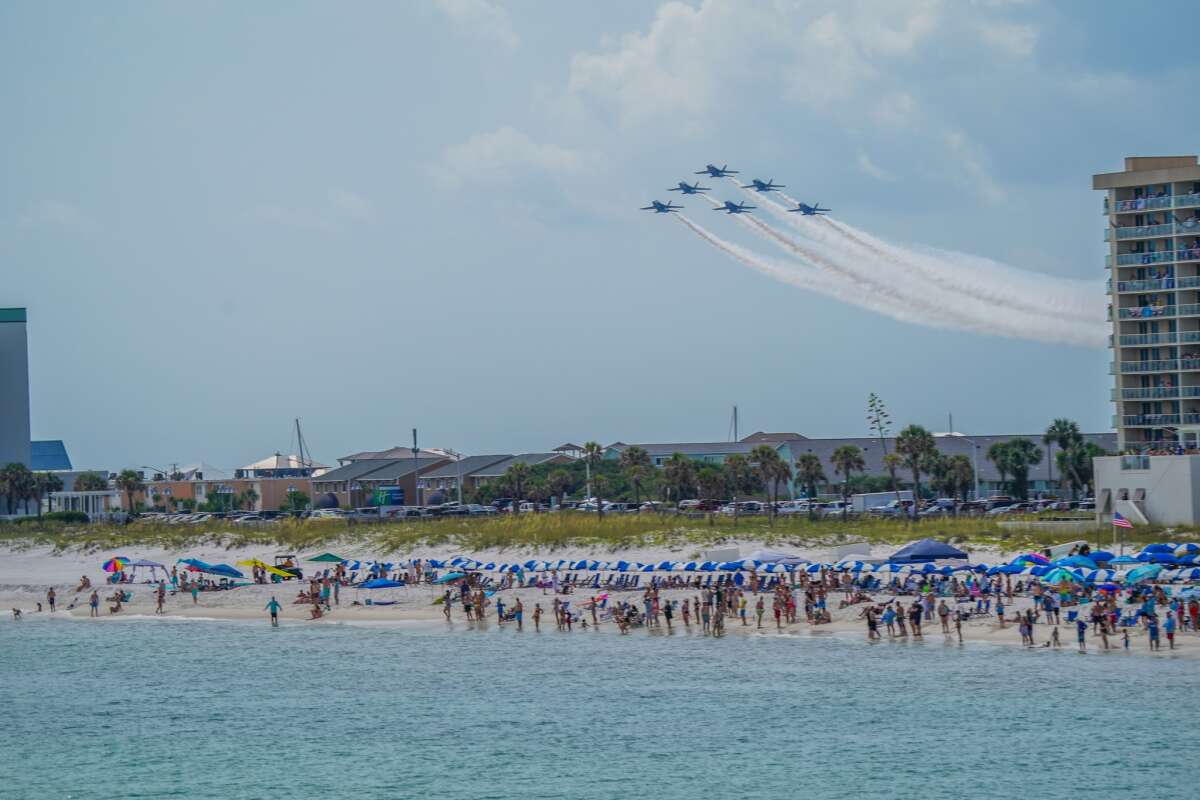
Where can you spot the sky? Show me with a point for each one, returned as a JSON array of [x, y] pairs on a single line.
[[381, 216]]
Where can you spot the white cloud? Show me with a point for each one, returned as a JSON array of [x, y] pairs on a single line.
[[970, 170], [870, 168], [503, 154], [483, 19], [895, 109], [1014, 40], [59, 215]]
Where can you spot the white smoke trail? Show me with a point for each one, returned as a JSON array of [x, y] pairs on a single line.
[[812, 280], [962, 273], [965, 312]]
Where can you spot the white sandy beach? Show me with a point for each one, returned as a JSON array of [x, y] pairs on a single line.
[[26, 574]]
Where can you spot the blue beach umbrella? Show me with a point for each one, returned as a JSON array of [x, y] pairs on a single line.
[[1099, 575], [1146, 572], [708, 566], [1076, 561], [1119, 560], [1187, 548], [691, 566], [381, 583], [1160, 547], [1100, 556]]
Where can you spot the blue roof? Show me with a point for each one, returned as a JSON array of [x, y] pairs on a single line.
[[49, 456]]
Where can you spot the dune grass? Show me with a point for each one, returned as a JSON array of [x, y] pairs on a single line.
[[547, 533]]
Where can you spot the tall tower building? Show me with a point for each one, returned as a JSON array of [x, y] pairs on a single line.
[[1152, 210], [14, 388]]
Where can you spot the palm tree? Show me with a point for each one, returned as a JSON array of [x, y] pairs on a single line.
[[592, 455], [999, 456], [1064, 433], [766, 460], [558, 484], [740, 477], [248, 498], [1022, 454], [893, 462], [809, 473], [711, 483], [516, 475], [90, 482], [781, 475], [129, 482], [635, 461], [961, 475], [537, 491], [679, 476], [16, 482], [847, 459], [915, 444], [45, 483]]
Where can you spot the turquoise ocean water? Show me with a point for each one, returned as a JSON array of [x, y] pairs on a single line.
[[205, 709]]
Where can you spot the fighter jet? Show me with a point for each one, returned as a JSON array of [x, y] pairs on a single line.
[[660, 208], [695, 188], [759, 186], [713, 171], [731, 207], [810, 211]]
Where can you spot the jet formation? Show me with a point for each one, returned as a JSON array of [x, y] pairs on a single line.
[[730, 207]]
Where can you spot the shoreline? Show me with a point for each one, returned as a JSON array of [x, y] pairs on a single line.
[[26, 574]]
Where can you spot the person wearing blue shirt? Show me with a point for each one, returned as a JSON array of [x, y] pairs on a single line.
[[273, 607]]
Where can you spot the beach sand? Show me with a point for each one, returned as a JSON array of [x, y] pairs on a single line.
[[26, 574]]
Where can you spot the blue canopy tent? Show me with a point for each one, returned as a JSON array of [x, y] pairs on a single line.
[[224, 570], [925, 550]]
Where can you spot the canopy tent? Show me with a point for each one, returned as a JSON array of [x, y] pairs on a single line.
[[327, 558], [196, 565], [925, 550], [254, 562], [451, 576]]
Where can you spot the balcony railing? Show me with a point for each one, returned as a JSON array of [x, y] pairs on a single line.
[[1135, 462], [1191, 419], [1189, 391], [1161, 365], [1185, 200], [1147, 312], [1189, 363], [1150, 393], [1148, 339], [1145, 231], [1189, 337], [1188, 254], [1148, 285], [1141, 204], [1134, 259], [1149, 420], [1189, 309]]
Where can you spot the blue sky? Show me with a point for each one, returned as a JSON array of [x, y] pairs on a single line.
[[378, 216]]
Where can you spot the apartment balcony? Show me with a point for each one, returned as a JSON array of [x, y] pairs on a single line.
[[1161, 365], [1145, 231], [1142, 204], [1154, 285], [1189, 337], [1187, 200], [1147, 312], [1148, 339], [1189, 364], [1188, 309], [1150, 420], [1139, 259], [1148, 393]]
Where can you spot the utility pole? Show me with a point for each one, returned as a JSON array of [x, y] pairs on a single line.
[[416, 468]]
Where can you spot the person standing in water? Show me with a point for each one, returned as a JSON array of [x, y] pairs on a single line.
[[518, 613], [50, 597], [273, 607], [94, 603]]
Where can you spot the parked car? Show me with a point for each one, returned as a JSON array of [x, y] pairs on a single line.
[[326, 513], [477, 510], [836, 508], [789, 507], [1087, 504], [620, 508], [745, 508]]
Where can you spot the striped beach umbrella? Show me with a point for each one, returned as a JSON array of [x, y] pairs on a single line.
[[1187, 549], [116, 564]]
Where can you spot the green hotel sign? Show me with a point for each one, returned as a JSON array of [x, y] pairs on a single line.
[[12, 315]]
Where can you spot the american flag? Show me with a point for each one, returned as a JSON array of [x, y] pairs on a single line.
[[1121, 522]]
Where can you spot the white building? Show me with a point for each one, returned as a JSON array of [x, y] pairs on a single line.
[[1153, 233]]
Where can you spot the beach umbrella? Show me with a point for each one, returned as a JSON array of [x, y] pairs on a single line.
[[116, 564], [1108, 587], [1058, 575], [1092, 576], [328, 558], [647, 568], [1100, 556], [194, 564], [691, 566], [1190, 574], [433, 562], [1076, 561], [750, 563], [729, 566], [708, 566], [450, 576], [664, 566], [1169, 575], [1160, 547], [1032, 558], [1123, 560], [224, 570], [1186, 549], [1146, 572], [814, 568]]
